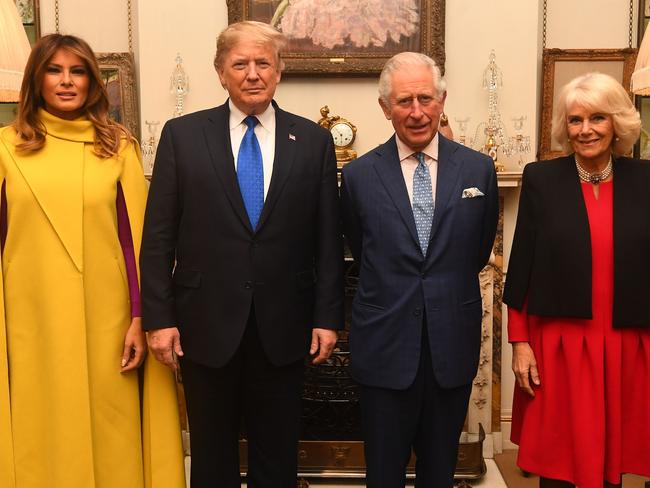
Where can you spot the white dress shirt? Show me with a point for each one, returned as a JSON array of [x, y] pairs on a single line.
[[409, 163], [265, 132]]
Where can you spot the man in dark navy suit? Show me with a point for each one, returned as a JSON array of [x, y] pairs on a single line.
[[242, 264], [420, 215]]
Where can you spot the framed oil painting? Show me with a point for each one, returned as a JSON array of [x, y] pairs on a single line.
[[559, 66], [29, 11], [337, 37], [118, 73], [642, 147]]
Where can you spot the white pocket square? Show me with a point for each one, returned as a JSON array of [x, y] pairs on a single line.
[[472, 192]]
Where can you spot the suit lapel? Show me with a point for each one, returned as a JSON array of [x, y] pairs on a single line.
[[624, 202], [217, 137], [390, 173], [448, 172], [285, 153], [568, 185]]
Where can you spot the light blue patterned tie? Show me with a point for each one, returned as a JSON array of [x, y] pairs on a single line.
[[422, 202], [250, 172]]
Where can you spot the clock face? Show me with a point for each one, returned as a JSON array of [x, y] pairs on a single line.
[[343, 134]]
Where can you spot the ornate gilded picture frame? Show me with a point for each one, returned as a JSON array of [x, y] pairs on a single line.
[[559, 66], [349, 38], [642, 147], [29, 11], [118, 74]]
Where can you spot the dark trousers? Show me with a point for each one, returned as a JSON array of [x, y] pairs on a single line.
[[424, 417], [265, 396]]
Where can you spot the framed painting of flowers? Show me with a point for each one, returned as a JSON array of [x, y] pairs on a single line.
[[350, 37]]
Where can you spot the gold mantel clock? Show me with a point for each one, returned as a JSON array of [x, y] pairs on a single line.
[[343, 133]]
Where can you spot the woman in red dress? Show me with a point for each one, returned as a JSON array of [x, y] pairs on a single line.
[[578, 294]]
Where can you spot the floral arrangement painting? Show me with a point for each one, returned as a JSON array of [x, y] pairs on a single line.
[[348, 36], [357, 24]]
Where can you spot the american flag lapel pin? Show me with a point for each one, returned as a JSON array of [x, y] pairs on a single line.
[[292, 137]]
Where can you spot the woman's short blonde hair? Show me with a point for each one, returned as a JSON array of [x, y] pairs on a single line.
[[598, 93], [249, 30]]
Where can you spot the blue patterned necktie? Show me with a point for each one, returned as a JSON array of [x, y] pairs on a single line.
[[422, 202], [250, 172]]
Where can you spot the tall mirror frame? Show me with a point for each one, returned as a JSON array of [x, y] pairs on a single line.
[[642, 147], [29, 11]]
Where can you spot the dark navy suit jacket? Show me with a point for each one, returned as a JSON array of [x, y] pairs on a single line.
[[203, 265], [398, 286]]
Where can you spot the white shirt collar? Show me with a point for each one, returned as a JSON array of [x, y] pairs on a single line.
[[266, 118], [404, 151]]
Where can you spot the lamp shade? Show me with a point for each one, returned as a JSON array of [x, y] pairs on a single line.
[[641, 76], [14, 51]]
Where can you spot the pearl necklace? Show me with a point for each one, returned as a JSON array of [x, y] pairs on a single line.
[[597, 177]]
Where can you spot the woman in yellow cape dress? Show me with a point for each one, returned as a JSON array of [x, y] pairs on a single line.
[[73, 411]]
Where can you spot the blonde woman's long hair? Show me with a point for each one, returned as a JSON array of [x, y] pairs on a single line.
[[30, 129]]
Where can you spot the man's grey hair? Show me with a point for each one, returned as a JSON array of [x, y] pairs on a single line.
[[403, 61]]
